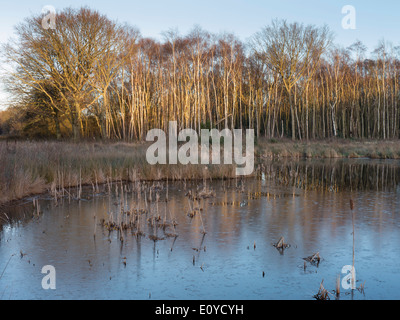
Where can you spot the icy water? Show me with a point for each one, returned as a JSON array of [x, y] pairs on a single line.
[[225, 251]]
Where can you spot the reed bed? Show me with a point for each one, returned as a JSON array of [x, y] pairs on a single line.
[[147, 213], [328, 149], [32, 168]]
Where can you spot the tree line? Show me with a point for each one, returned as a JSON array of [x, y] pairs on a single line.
[[94, 77]]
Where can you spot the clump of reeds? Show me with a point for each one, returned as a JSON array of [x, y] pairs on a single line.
[[195, 206], [361, 288], [322, 294], [145, 211], [281, 245], [314, 259]]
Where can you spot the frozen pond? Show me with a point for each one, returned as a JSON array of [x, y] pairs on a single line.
[[224, 249]]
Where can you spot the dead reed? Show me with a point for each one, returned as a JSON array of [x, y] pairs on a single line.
[[281, 245], [315, 259], [338, 286], [354, 239], [322, 294]]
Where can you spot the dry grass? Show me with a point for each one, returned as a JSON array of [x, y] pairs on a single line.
[[29, 168], [335, 148]]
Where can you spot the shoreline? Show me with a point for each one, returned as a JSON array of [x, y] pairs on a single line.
[[329, 149], [38, 168]]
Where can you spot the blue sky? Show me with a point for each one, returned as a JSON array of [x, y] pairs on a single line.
[[375, 20]]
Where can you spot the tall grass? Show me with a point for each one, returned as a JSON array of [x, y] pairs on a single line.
[[329, 148], [29, 168]]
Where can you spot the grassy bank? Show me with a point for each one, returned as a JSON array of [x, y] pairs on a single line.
[[337, 148], [29, 168]]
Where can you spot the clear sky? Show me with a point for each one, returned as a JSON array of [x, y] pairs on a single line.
[[375, 20]]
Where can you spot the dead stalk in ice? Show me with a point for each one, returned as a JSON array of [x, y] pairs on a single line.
[[338, 286], [354, 239], [95, 227]]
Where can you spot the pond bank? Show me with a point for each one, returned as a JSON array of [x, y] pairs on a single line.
[[32, 168], [330, 148]]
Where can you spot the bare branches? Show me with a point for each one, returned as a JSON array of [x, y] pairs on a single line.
[[94, 77]]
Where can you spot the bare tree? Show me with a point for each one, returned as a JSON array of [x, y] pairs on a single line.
[[69, 57], [291, 51]]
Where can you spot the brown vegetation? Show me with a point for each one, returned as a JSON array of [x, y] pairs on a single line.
[[37, 167], [29, 168], [331, 148]]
